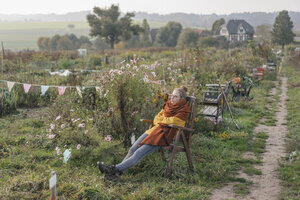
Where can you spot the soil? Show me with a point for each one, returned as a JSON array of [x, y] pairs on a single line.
[[265, 186]]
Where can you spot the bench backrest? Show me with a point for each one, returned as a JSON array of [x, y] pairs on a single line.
[[192, 102]]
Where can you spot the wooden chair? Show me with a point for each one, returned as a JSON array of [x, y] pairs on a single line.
[[184, 134], [213, 101]]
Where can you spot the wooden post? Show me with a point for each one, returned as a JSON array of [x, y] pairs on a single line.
[[2, 63], [52, 185]]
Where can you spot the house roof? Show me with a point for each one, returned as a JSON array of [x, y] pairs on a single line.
[[233, 24]]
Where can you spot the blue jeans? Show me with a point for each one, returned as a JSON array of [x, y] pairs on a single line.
[[136, 153]]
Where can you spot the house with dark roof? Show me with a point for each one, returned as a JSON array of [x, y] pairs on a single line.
[[237, 30]]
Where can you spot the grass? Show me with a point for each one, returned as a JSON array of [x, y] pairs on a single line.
[[28, 157], [241, 189], [24, 35], [289, 171]]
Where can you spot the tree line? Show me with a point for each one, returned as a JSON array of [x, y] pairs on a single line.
[[109, 29], [64, 42]]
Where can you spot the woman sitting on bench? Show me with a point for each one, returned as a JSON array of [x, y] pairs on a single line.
[[174, 111]]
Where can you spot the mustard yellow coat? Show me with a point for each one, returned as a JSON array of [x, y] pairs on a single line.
[[161, 119]]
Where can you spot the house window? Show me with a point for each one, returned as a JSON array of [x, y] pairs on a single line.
[[241, 30]]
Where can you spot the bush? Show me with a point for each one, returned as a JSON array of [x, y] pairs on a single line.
[[9, 103]]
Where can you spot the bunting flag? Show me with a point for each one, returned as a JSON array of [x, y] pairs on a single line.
[[10, 85], [26, 87], [155, 82], [79, 91], [61, 90], [44, 89]]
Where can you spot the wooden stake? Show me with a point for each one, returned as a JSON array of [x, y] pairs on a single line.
[[225, 98], [2, 63], [52, 185]]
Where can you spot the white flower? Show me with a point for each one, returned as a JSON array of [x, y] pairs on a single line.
[[51, 136], [58, 117]]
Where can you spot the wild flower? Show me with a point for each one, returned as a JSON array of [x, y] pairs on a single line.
[[78, 146], [86, 131], [196, 119], [58, 117], [52, 126], [62, 126], [108, 138], [82, 125], [76, 120], [51, 136]]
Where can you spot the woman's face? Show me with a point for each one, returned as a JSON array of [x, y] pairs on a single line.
[[175, 97]]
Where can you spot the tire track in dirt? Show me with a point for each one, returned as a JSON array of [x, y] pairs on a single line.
[[265, 186]]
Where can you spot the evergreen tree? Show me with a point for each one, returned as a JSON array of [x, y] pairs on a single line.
[[282, 33]]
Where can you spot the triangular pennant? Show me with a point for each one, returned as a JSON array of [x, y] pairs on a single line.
[[10, 85], [155, 82], [79, 91], [44, 89], [61, 90], [26, 87]]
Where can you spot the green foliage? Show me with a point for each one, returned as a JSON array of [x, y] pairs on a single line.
[[188, 38], [64, 42], [95, 60], [8, 102], [210, 41], [216, 27], [282, 32], [108, 24], [168, 35]]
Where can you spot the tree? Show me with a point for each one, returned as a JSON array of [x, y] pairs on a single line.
[[108, 24], [168, 35], [215, 30], [144, 37], [64, 43], [53, 42], [188, 38], [282, 33], [43, 43]]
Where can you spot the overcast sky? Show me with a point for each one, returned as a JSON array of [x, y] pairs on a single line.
[[150, 6]]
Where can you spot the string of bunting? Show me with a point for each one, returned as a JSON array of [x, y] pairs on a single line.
[[44, 88], [61, 89]]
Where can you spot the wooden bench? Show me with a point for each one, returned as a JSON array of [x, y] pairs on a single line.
[[213, 106], [184, 134]]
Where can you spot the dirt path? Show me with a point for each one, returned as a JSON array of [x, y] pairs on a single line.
[[265, 186]]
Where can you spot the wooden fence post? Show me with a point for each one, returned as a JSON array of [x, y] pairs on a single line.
[[52, 185], [2, 63]]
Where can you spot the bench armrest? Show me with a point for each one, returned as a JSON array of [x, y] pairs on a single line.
[[147, 121], [181, 127]]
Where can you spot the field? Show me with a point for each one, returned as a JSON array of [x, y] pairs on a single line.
[[36, 129], [24, 35]]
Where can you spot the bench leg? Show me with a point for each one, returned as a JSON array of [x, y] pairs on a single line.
[[169, 169], [187, 151]]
